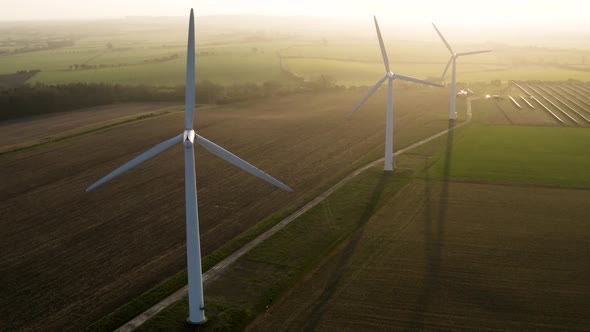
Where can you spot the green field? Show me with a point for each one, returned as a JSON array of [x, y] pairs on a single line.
[[226, 69], [352, 73], [227, 65], [237, 63], [552, 156], [360, 63], [151, 52], [355, 73], [236, 54]]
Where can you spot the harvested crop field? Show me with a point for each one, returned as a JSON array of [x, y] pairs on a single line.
[[454, 256], [68, 258], [21, 133]]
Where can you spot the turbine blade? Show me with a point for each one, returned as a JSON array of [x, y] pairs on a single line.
[[189, 101], [443, 39], [383, 52], [236, 161], [446, 69], [138, 160], [371, 92], [415, 80], [474, 52]]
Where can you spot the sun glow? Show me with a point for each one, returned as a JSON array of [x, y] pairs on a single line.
[[500, 12]]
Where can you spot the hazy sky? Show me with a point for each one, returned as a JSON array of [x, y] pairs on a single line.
[[549, 13]]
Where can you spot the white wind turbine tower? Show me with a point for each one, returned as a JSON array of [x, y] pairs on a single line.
[[453, 59], [391, 77], [188, 138]]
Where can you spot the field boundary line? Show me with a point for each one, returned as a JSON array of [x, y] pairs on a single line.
[[218, 269]]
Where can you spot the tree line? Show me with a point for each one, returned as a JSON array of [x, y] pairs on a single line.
[[30, 100]]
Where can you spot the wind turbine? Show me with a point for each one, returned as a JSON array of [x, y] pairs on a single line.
[[453, 59], [389, 75], [188, 138]]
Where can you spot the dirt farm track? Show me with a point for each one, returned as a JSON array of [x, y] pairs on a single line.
[[68, 258]]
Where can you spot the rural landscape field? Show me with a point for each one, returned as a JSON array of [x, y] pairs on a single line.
[[481, 225]]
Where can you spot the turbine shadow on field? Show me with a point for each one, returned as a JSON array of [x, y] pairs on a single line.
[[479, 293], [344, 257], [501, 109], [434, 232]]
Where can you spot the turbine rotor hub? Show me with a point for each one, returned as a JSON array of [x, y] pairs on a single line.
[[391, 75], [188, 138]]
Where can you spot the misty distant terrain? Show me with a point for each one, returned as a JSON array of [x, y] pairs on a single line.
[[211, 27]]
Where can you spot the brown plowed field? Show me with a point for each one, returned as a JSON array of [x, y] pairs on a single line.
[[68, 258], [21, 133], [466, 256]]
